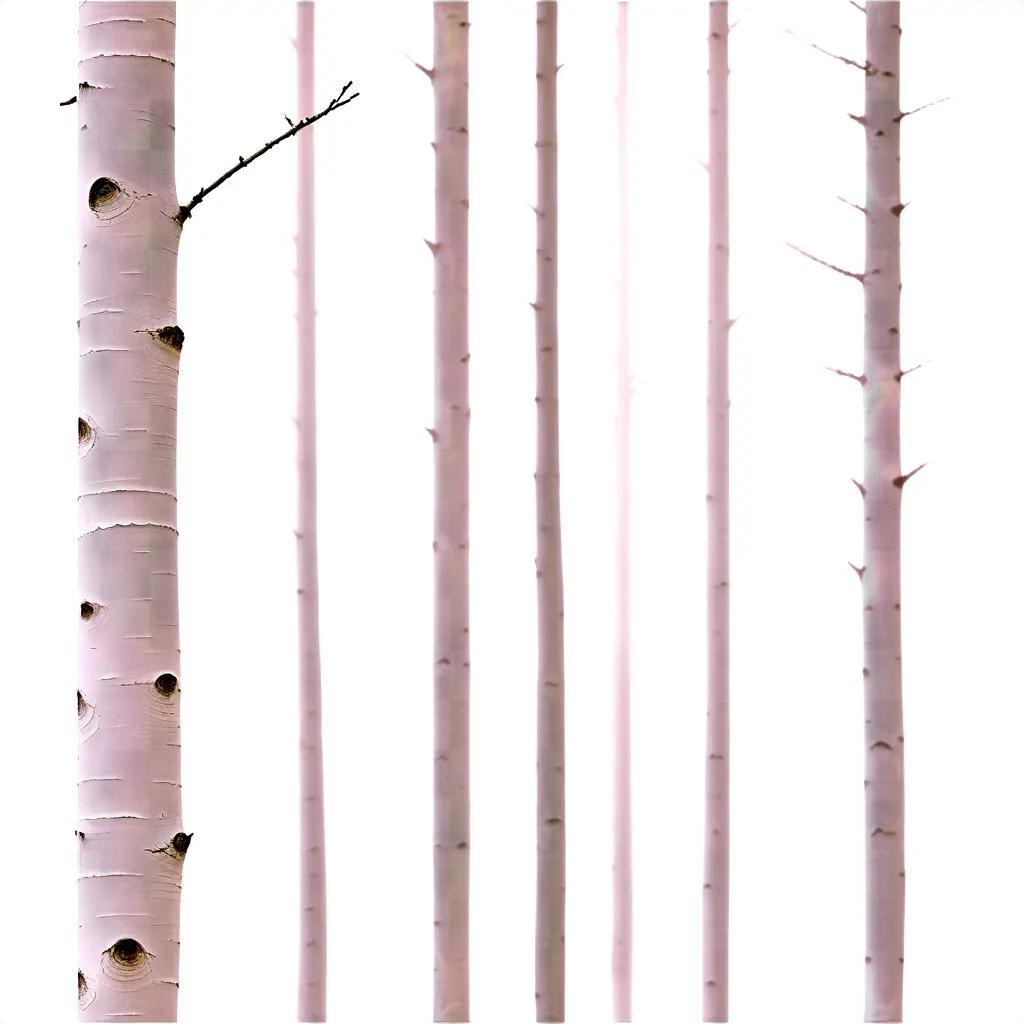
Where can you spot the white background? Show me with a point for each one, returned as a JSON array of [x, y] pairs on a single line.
[[797, 714]]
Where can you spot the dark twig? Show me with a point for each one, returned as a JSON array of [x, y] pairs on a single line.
[[339, 101], [865, 67], [825, 263], [67, 103]]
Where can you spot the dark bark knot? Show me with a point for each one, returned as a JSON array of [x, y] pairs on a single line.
[[165, 684], [181, 841], [88, 610], [107, 199], [83, 704], [84, 430], [128, 954], [173, 337]]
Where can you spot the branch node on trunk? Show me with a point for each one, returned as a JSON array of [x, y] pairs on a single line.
[[831, 266], [434, 247], [860, 487], [173, 337], [901, 480], [859, 377], [858, 569]]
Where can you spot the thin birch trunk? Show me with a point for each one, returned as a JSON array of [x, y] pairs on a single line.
[[550, 938], [130, 835], [312, 978], [622, 826], [716, 814], [450, 78], [883, 490]]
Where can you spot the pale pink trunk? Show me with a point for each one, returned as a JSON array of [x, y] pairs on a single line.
[[312, 995], [450, 77], [716, 790], [131, 841], [550, 937], [622, 825], [883, 489]]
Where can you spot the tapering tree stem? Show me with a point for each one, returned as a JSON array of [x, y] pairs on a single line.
[[312, 994], [450, 435]]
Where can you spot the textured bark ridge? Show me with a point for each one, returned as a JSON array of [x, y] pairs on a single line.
[[716, 819], [450, 435], [131, 843], [550, 920], [883, 491], [312, 994], [622, 825]]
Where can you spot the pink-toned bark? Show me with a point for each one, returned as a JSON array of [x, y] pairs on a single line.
[[450, 433], [883, 490], [716, 814], [622, 825], [312, 978], [131, 841], [550, 921]]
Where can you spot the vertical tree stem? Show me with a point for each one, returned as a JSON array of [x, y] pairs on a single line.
[[550, 939], [312, 994], [883, 488], [131, 843], [450, 77], [716, 819], [622, 825]]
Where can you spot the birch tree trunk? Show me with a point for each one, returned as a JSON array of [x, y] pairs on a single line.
[[450, 77], [550, 938], [130, 835], [622, 826], [312, 994], [882, 490], [716, 820]]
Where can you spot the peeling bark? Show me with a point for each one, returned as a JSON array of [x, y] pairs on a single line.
[[550, 921], [312, 977], [716, 815], [883, 491], [450, 435], [129, 746]]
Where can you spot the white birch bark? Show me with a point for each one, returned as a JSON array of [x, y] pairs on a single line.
[[130, 832], [883, 490], [622, 825], [716, 820], [312, 977], [550, 921], [450, 433]]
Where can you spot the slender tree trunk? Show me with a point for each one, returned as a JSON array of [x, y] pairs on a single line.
[[130, 836], [450, 77], [312, 995], [622, 809], [550, 941], [716, 814], [883, 489]]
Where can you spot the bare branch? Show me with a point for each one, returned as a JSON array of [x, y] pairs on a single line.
[[858, 377], [67, 103], [429, 72], [860, 487], [858, 569], [867, 68], [825, 263], [859, 118], [863, 10], [339, 101], [901, 480], [902, 373], [856, 206], [907, 113]]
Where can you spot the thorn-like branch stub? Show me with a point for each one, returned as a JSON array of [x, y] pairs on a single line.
[[858, 569], [860, 487], [856, 206], [862, 9], [340, 100], [825, 263], [858, 377], [907, 113], [901, 480], [866, 67]]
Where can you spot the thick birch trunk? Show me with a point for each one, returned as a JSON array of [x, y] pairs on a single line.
[[883, 489], [716, 820], [312, 995], [131, 841], [622, 813], [450, 77], [550, 939]]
